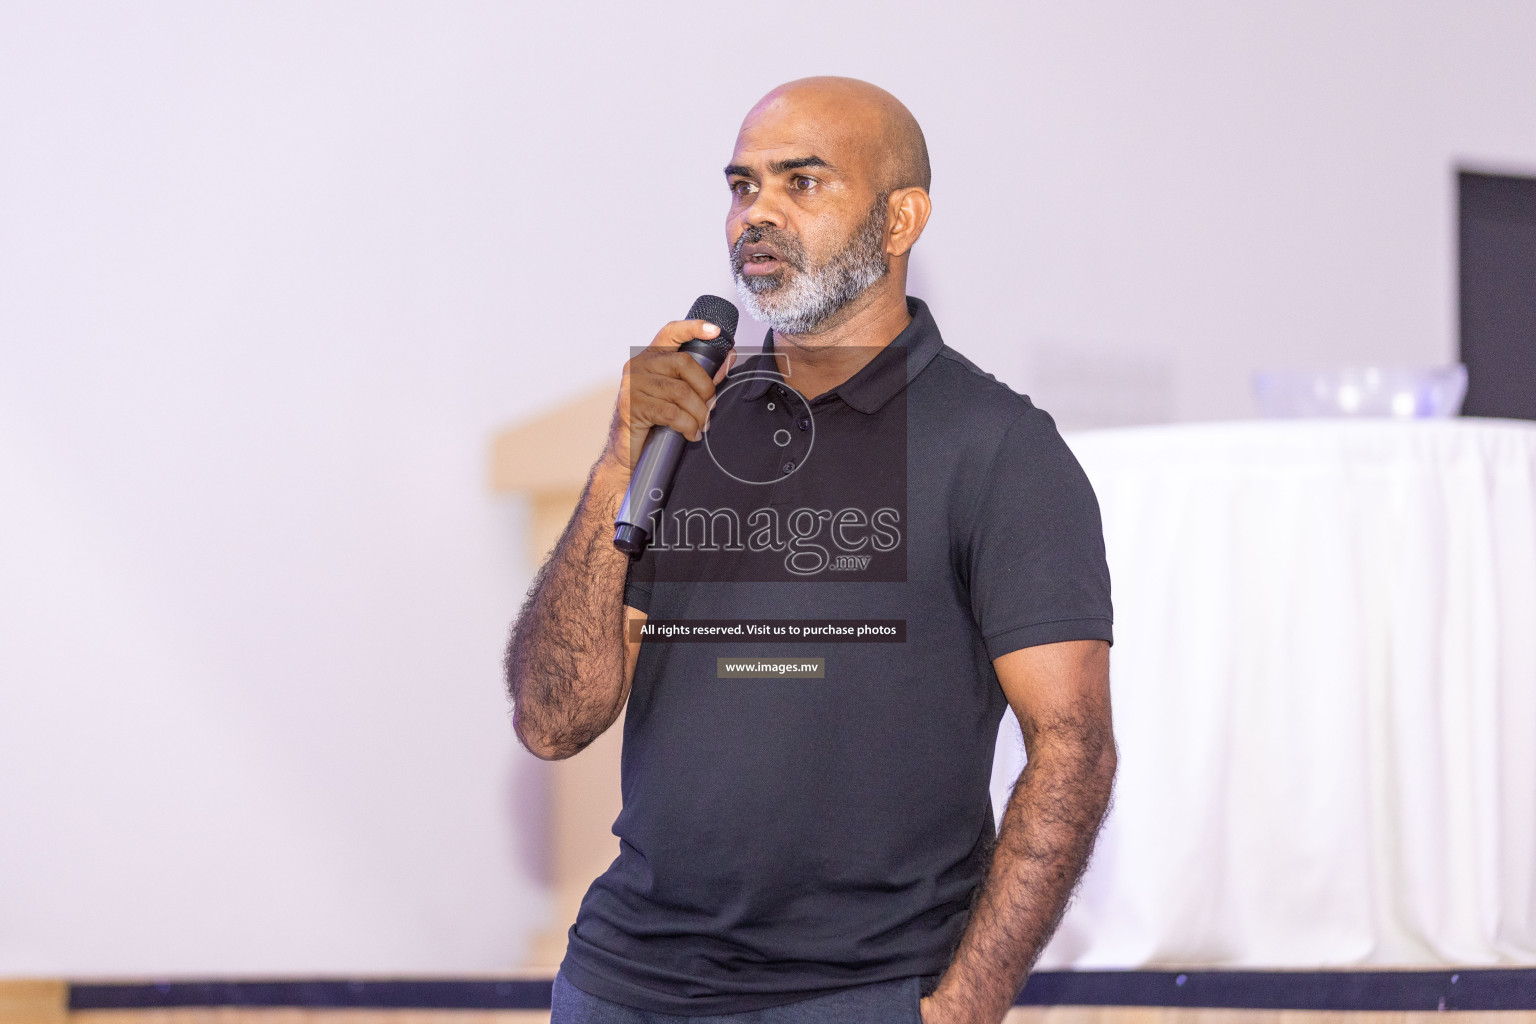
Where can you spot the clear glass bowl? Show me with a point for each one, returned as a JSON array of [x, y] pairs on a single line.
[[1362, 391]]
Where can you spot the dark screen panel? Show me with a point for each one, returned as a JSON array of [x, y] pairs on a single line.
[[1498, 294]]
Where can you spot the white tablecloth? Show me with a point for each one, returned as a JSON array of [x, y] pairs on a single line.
[[1325, 696]]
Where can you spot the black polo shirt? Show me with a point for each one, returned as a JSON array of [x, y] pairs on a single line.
[[787, 835]]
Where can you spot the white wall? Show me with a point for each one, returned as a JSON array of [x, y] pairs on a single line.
[[271, 275]]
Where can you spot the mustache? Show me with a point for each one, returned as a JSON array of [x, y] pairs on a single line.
[[787, 246]]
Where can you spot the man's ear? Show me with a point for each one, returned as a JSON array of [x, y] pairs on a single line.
[[906, 214]]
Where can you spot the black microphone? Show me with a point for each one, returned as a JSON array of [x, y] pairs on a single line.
[[651, 481]]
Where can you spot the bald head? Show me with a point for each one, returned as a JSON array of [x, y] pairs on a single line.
[[864, 119], [829, 192]]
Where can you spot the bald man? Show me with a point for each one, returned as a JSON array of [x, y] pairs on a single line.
[[806, 832]]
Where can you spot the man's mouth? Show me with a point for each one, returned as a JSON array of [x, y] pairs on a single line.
[[759, 259]]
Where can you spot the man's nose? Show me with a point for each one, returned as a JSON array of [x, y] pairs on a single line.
[[765, 211]]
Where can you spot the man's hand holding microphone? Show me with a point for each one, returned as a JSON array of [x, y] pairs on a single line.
[[664, 402]]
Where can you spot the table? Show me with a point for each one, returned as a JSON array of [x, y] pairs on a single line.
[[1325, 697]]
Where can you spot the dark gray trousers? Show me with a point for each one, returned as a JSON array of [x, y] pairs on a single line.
[[889, 1002]]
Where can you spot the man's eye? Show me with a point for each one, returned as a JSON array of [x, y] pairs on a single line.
[[800, 183], [742, 188]]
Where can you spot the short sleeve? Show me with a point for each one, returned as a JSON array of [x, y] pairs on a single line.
[[1035, 557], [638, 580]]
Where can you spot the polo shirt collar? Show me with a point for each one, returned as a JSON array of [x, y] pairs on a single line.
[[881, 379]]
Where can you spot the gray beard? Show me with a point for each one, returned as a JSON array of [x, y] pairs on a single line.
[[800, 299]]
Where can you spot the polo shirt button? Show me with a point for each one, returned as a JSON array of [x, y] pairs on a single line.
[[789, 467], [805, 423]]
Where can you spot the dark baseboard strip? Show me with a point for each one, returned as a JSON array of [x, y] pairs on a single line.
[[319, 994], [1477, 989]]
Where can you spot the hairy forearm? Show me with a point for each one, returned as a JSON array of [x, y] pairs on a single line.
[[1043, 844], [565, 663]]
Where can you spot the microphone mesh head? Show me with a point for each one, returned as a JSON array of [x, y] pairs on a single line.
[[720, 312]]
